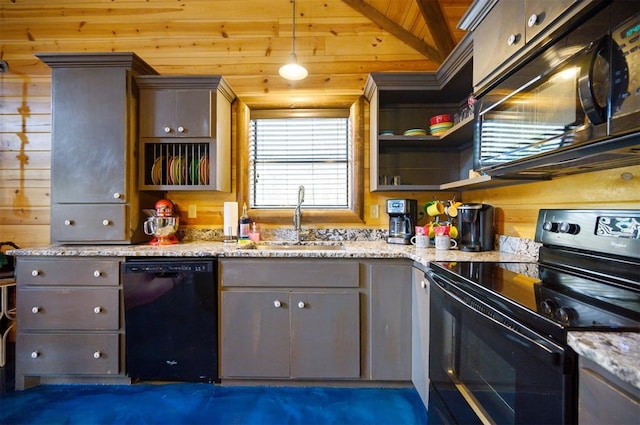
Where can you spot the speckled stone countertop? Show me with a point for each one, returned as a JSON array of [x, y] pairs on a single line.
[[350, 249], [618, 353]]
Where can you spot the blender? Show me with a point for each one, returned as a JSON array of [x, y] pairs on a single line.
[[163, 224]]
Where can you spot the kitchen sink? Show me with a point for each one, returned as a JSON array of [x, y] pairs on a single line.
[[296, 246]]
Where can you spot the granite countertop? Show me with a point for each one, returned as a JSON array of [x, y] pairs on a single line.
[[350, 249], [617, 352]]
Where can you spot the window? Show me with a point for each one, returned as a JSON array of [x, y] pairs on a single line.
[[309, 148]]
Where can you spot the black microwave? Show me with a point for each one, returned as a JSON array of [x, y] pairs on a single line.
[[573, 107]]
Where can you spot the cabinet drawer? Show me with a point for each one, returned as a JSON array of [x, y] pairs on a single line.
[[332, 273], [68, 354], [89, 223], [69, 309], [68, 271]]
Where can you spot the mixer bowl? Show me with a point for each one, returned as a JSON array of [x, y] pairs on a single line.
[[163, 228]]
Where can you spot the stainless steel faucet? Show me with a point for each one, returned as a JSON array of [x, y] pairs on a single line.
[[297, 213]]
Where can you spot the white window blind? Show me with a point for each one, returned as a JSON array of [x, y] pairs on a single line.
[[285, 153]]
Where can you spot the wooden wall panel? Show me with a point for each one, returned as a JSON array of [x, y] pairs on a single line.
[[518, 205]]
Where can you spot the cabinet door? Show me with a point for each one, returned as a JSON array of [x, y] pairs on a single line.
[[89, 143], [195, 109], [157, 113], [497, 38], [176, 113], [254, 334], [420, 335], [541, 13], [325, 335], [390, 321]]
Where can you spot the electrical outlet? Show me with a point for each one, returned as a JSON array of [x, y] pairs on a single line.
[[193, 211], [374, 211]]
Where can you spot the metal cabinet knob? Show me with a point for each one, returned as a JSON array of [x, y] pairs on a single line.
[[117, 195], [35, 310], [106, 222], [301, 304], [167, 129], [35, 273], [97, 355], [97, 310], [181, 129], [423, 284], [277, 304], [513, 38], [533, 20], [68, 222], [35, 354], [97, 273]]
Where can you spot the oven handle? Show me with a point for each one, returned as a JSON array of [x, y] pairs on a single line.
[[549, 355]]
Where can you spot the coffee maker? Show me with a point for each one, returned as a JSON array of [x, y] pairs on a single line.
[[403, 217], [476, 227]]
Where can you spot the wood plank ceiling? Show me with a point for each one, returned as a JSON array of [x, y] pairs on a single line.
[[339, 41]]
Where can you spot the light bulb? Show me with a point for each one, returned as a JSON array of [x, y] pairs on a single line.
[[293, 70]]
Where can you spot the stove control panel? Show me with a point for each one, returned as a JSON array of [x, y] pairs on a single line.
[[602, 231]]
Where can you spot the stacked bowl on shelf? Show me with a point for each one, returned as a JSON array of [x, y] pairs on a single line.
[[440, 124]]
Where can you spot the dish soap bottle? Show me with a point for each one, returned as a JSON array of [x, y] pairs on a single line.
[[245, 223]]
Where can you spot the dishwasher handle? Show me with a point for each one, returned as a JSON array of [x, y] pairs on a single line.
[[170, 266]]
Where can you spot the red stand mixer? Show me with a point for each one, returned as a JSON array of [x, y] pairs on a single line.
[[163, 225]]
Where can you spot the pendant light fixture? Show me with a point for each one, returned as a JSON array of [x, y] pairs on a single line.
[[293, 70]]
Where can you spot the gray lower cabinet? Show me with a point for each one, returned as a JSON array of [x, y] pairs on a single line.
[[420, 334], [604, 398], [281, 328], [389, 284], [69, 320]]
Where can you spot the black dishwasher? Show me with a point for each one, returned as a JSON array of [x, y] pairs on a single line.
[[171, 331]]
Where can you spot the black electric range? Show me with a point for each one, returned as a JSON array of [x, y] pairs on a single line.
[[499, 329]]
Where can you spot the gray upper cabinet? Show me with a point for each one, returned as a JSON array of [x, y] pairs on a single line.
[[498, 37], [541, 13], [185, 133], [94, 193], [178, 113], [403, 101], [506, 31]]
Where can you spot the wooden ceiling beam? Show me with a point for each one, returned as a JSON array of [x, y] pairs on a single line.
[[437, 24], [396, 30]]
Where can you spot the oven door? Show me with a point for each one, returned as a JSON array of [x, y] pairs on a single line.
[[486, 368]]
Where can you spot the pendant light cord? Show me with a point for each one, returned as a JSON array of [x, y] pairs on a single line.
[[293, 39]]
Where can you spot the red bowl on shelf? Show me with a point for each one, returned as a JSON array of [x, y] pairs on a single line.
[[437, 119]]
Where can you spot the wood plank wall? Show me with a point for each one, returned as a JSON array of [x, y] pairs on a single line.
[[100, 25]]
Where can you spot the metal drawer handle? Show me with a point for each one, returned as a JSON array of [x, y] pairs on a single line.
[[117, 195], [35, 354], [97, 273], [35, 273], [301, 304], [423, 284], [36, 309], [97, 310], [533, 20], [513, 39], [167, 129], [277, 304], [97, 355], [106, 222], [68, 222], [181, 129]]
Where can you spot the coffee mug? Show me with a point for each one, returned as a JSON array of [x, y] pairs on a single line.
[[420, 241], [436, 208], [445, 242]]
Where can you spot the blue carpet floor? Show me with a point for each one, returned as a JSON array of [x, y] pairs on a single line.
[[210, 404]]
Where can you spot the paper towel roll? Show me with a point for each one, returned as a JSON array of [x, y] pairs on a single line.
[[230, 219]]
